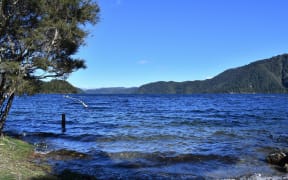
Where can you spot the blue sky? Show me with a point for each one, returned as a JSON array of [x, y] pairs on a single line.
[[142, 41]]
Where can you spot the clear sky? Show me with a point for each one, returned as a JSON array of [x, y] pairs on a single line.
[[142, 41]]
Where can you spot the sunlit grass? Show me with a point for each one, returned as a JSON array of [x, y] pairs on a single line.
[[17, 161]]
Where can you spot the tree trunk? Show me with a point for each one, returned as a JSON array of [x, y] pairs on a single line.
[[4, 112], [2, 90]]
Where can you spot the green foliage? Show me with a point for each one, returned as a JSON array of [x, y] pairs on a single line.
[[39, 37], [265, 76]]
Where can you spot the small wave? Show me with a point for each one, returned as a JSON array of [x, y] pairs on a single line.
[[224, 133], [168, 158], [189, 122], [281, 139], [40, 134], [100, 108], [88, 137], [200, 122], [71, 137], [126, 138]]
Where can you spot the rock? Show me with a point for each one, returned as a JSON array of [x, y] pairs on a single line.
[[280, 159], [65, 154], [40, 147], [276, 158], [284, 161], [285, 168], [67, 174]]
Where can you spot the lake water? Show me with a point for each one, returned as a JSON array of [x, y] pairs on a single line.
[[158, 136]]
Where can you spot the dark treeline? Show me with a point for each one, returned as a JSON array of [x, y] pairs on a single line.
[[58, 87]]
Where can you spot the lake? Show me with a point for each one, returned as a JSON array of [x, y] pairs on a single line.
[[158, 136]]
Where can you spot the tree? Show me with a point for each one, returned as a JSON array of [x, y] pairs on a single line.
[[37, 41]]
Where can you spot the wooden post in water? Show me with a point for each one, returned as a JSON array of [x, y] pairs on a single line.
[[63, 123]]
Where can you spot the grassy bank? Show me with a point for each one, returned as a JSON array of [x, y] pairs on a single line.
[[18, 161]]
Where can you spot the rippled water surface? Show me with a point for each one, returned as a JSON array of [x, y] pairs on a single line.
[[168, 136]]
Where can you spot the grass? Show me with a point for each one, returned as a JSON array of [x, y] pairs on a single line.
[[17, 161]]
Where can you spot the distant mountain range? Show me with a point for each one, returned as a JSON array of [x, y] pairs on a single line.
[[264, 76], [112, 90]]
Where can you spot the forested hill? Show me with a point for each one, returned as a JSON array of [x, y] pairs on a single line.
[[264, 76], [57, 87]]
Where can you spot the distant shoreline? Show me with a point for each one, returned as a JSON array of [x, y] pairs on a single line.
[[268, 76]]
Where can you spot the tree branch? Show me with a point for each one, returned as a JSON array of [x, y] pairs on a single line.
[[50, 76]]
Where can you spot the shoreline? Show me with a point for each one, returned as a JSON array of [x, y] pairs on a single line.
[[19, 160]]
